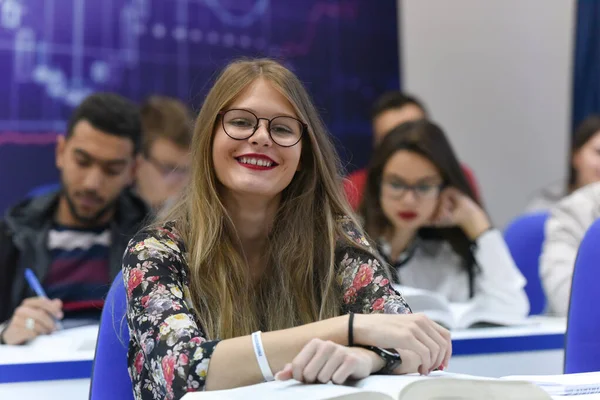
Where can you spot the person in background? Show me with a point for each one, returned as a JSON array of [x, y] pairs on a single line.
[[164, 162], [390, 110], [584, 166], [568, 222], [264, 240], [73, 239], [422, 212]]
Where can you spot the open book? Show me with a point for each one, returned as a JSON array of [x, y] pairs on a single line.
[[455, 315], [437, 386]]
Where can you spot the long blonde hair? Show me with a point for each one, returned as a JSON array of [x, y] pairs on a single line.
[[300, 286]]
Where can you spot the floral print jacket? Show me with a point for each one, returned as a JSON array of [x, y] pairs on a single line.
[[169, 354]]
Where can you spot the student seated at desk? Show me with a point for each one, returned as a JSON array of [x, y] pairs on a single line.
[[263, 240], [422, 212], [568, 222], [73, 239]]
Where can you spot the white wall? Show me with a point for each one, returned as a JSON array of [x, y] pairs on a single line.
[[496, 74]]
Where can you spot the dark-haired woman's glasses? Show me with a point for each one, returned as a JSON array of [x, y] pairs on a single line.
[[422, 191], [241, 124]]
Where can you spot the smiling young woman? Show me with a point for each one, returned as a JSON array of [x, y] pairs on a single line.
[[264, 240]]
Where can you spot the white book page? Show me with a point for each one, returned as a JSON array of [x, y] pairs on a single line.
[[472, 389], [65, 345], [565, 379], [76, 339], [444, 385], [288, 390], [478, 311], [436, 386], [374, 387], [393, 384]]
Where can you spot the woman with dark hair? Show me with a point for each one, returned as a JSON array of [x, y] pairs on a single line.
[[584, 166], [421, 211]]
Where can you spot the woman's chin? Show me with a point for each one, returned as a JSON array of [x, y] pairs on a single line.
[[254, 190]]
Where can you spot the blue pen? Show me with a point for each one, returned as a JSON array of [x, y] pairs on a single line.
[[37, 288]]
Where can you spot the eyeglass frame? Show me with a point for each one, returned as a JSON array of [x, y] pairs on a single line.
[[413, 188], [176, 174], [302, 124]]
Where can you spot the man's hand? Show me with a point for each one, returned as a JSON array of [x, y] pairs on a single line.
[[35, 316]]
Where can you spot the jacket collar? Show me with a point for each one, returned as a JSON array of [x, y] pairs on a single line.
[[33, 215]]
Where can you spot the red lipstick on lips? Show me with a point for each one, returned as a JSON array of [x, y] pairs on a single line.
[[407, 215], [257, 157]]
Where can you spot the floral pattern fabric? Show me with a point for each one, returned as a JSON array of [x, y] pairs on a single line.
[[168, 352]]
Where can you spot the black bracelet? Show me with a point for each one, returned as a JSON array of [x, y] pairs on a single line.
[[351, 329]]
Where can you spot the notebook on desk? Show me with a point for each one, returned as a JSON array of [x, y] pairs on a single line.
[[564, 385], [437, 386], [82, 338]]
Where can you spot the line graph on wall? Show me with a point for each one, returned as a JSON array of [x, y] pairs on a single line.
[[53, 53]]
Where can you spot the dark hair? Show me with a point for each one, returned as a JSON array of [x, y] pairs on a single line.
[[428, 140], [167, 118], [110, 113], [584, 132], [394, 100]]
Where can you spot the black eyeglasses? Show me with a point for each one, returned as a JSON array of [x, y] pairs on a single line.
[[422, 191], [241, 124]]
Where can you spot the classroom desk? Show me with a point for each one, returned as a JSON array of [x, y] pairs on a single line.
[[59, 367], [523, 350], [52, 367]]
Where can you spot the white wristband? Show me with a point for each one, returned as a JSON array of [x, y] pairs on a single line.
[[261, 357]]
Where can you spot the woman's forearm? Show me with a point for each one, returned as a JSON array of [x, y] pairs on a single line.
[[234, 364], [499, 283]]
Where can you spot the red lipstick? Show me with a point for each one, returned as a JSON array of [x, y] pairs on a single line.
[[407, 215]]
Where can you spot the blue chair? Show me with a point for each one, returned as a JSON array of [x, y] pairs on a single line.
[[582, 348], [525, 237], [110, 378]]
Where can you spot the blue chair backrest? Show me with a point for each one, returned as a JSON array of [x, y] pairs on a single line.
[[582, 349], [43, 189], [110, 378], [525, 237]]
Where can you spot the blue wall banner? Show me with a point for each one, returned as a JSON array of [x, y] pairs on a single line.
[[53, 53]]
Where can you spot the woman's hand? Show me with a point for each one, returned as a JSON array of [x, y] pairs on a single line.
[[423, 344], [324, 361], [458, 209]]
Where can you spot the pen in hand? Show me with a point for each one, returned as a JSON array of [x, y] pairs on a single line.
[[34, 283]]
